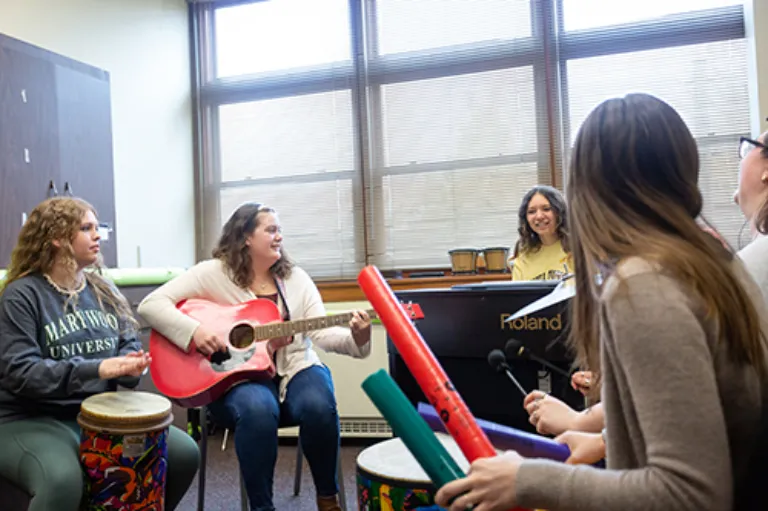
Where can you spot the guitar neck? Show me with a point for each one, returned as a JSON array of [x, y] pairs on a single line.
[[289, 328]]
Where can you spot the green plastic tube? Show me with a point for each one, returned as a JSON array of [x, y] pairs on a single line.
[[142, 276], [407, 424], [135, 276]]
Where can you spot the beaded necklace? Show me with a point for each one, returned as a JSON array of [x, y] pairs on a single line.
[[66, 292]]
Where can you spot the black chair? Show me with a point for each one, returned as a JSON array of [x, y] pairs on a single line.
[[243, 496], [14, 498]]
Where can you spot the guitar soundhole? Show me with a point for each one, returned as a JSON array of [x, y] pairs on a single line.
[[241, 336]]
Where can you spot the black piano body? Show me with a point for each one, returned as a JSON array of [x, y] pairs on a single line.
[[464, 323]]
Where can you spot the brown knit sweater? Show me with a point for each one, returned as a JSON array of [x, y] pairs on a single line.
[[682, 420]]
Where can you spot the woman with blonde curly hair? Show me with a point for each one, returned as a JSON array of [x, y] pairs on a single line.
[[65, 334]]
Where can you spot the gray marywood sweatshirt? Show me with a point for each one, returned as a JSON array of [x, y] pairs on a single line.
[[49, 357]]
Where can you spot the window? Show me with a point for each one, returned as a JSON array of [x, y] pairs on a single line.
[[273, 36], [288, 138], [392, 131], [587, 14], [454, 183], [307, 174], [414, 26], [705, 83]]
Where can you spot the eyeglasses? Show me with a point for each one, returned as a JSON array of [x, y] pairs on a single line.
[[747, 144]]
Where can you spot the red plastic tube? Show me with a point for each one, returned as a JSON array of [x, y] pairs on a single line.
[[425, 368]]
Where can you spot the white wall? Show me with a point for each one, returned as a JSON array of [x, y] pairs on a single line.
[[349, 373], [144, 45], [756, 14]]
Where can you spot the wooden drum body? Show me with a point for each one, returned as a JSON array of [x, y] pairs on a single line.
[[124, 450], [496, 259], [463, 260], [390, 479]]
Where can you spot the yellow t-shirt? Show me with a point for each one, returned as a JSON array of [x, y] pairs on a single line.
[[547, 263]]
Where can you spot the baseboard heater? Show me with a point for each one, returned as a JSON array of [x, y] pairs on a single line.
[[353, 427]]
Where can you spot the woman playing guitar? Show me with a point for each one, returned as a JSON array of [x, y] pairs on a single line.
[[249, 263]]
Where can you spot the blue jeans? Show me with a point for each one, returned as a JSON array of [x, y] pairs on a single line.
[[254, 412]]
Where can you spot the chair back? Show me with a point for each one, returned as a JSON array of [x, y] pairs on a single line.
[[749, 491], [14, 498]]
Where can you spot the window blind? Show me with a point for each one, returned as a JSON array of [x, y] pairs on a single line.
[[457, 105], [392, 131], [691, 54], [283, 128]]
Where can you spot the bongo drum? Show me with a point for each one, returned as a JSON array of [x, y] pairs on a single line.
[[390, 479], [124, 450], [496, 259], [463, 260]]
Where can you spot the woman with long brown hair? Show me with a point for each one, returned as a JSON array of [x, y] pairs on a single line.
[[668, 319], [552, 416], [249, 262], [65, 334]]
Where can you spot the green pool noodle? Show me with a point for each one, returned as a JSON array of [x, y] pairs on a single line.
[[133, 276], [141, 276], [412, 429]]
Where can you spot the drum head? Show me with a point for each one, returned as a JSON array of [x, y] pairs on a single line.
[[392, 461], [125, 410]]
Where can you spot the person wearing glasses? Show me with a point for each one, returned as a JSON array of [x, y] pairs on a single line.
[[541, 251], [752, 197]]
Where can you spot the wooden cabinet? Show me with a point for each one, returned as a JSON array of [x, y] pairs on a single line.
[[55, 138], [28, 143], [85, 144]]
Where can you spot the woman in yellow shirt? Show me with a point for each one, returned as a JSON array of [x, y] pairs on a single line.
[[541, 252]]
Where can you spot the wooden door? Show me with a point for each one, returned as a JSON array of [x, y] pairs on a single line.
[[28, 139], [85, 144]]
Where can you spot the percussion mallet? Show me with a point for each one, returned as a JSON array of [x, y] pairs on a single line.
[[498, 361], [514, 348]]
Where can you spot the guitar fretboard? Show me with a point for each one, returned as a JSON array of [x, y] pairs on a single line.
[[289, 328]]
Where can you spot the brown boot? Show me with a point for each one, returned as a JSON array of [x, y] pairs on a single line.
[[328, 503]]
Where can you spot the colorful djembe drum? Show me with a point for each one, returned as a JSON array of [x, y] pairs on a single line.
[[124, 450], [390, 479]]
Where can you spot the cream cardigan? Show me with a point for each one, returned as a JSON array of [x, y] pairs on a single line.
[[209, 280]]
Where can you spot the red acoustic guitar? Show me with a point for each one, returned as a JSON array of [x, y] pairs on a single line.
[[253, 330]]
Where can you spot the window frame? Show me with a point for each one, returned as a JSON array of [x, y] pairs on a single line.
[[547, 50]]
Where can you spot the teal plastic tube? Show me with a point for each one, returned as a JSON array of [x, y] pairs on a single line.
[[412, 429]]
